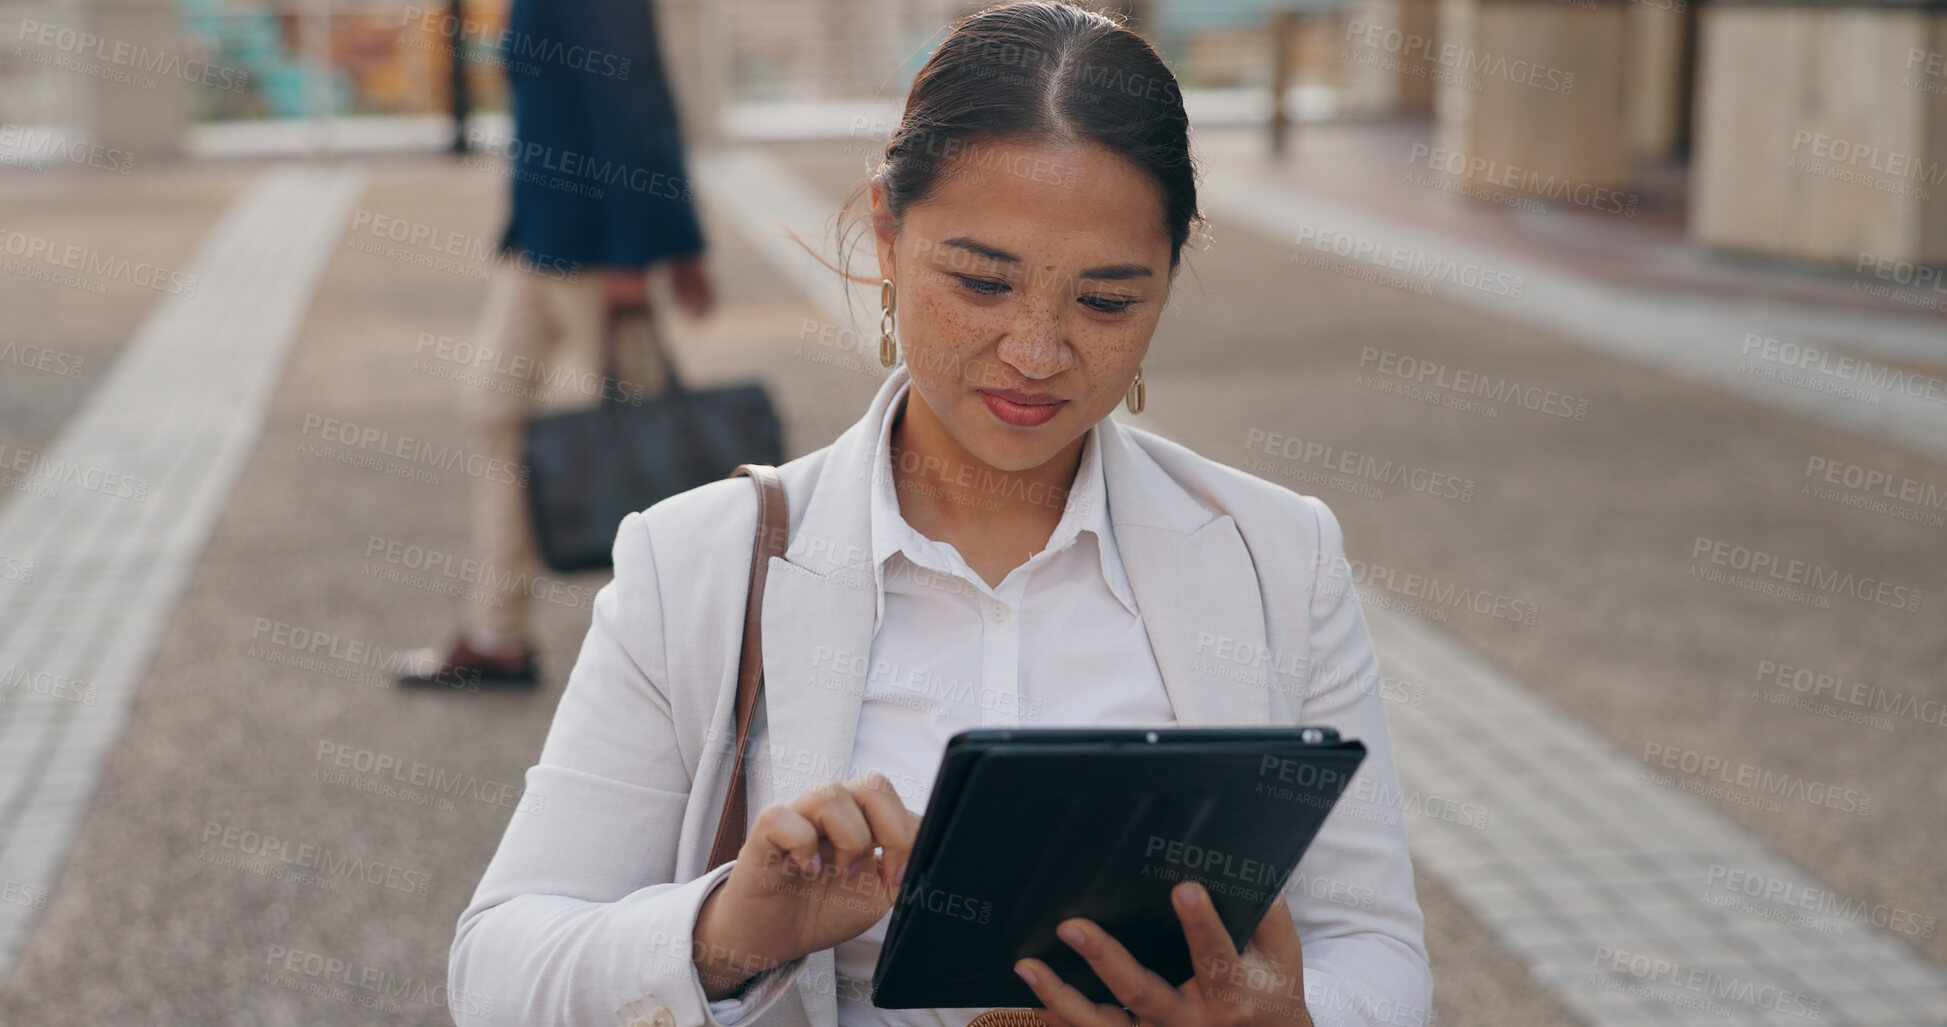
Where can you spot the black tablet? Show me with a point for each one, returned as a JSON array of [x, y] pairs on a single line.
[[1026, 828]]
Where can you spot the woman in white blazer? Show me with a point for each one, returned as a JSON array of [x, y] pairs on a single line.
[[986, 546]]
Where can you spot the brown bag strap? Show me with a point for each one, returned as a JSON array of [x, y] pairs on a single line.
[[773, 532]]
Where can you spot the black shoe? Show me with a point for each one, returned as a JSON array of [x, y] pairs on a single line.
[[465, 667]]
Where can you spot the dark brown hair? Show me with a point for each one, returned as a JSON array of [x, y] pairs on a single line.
[[1042, 71]]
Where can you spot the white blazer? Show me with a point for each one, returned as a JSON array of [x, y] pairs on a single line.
[[584, 916]]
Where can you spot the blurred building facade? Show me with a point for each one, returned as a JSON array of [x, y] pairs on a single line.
[[1812, 130]]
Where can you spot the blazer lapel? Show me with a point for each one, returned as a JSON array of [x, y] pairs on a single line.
[[820, 601], [1196, 586], [817, 641], [1205, 621]]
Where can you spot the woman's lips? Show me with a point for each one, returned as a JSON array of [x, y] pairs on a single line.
[[1020, 412]]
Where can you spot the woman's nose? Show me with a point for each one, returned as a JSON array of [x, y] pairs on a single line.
[[1036, 344]]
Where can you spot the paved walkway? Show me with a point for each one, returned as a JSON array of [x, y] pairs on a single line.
[[1635, 904], [1831, 365], [115, 512]]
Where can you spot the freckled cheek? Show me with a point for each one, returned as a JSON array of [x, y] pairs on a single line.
[[945, 336], [1112, 358]]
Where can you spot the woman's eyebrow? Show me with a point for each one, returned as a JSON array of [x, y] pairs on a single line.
[[1119, 272], [980, 249], [1112, 272]]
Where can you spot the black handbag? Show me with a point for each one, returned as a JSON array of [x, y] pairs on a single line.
[[588, 469]]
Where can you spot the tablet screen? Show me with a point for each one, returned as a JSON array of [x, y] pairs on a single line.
[[1026, 828]]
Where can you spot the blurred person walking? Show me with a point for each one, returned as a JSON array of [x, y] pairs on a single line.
[[600, 198]]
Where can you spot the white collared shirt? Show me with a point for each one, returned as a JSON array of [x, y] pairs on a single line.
[[1058, 643]]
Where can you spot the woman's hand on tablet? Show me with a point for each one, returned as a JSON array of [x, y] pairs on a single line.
[[1264, 986], [806, 879]]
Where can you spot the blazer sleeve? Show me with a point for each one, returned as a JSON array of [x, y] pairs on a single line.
[[577, 918], [1352, 896]]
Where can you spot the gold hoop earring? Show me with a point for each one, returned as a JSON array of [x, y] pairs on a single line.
[[888, 346], [1138, 396]]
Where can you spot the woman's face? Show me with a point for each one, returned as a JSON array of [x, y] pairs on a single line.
[[1028, 284]]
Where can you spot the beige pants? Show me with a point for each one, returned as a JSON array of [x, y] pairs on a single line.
[[545, 337]]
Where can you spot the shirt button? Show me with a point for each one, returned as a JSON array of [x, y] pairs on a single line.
[[997, 612], [658, 1017]]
